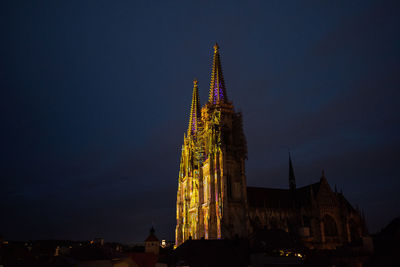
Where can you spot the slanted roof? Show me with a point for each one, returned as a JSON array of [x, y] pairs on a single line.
[[152, 237], [269, 197], [281, 198], [304, 194]]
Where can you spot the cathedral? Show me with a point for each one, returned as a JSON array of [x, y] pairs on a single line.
[[214, 201]]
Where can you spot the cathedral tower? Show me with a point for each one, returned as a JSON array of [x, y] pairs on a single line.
[[212, 196]]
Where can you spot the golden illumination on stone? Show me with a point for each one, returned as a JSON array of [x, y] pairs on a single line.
[[211, 197]]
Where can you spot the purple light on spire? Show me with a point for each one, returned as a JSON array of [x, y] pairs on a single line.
[[193, 122], [221, 95], [215, 92], [218, 94]]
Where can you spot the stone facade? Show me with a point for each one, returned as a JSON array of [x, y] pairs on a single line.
[[213, 200], [316, 215]]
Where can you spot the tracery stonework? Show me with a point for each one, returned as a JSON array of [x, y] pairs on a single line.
[[213, 200]]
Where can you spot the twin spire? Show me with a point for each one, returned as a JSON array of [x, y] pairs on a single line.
[[217, 85], [194, 110], [217, 93]]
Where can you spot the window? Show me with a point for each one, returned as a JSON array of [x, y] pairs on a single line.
[[330, 228]]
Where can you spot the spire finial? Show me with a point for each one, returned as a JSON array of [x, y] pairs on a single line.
[[323, 173], [216, 47], [195, 82]]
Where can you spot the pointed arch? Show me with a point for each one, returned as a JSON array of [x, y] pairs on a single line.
[[330, 227]]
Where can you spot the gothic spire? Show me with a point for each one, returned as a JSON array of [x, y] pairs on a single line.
[[292, 179], [194, 110], [217, 85]]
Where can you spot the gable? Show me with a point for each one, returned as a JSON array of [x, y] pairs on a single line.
[[325, 196]]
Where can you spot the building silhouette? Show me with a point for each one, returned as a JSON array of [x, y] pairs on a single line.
[[152, 244], [214, 201]]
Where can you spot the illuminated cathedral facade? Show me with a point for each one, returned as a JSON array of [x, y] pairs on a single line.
[[214, 202]]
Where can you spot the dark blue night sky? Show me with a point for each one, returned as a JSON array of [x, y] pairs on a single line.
[[95, 98]]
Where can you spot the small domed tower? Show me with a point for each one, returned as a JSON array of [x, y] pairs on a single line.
[[152, 244]]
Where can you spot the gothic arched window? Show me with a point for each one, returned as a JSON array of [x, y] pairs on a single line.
[[330, 228]]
